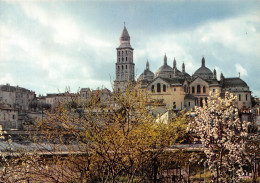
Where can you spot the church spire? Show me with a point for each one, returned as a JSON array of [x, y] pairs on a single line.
[[183, 67], [165, 59], [222, 76], [124, 35], [174, 63], [214, 74], [147, 65], [203, 62]]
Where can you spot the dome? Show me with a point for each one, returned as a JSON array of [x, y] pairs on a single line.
[[147, 74], [203, 71], [234, 82], [165, 71], [164, 68]]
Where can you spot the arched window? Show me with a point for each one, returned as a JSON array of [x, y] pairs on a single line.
[[158, 87], [125, 58], [118, 59], [204, 89], [122, 59], [246, 96], [152, 88], [164, 88], [239, 97], [198, 88], [201, 103], [118, 68], [122, 67], [126, 67], [193, 89], [118, 52]]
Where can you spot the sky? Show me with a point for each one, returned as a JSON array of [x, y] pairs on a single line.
[[50, 46]]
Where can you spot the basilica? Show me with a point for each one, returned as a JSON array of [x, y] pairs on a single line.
[[176, 88]]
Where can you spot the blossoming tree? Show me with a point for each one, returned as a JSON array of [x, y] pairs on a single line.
[[223, 135]]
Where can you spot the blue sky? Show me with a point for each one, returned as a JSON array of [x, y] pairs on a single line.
[[47, 46]]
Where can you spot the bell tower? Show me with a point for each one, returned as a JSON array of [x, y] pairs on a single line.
[[125, 66]]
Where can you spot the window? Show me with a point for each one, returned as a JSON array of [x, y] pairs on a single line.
[[122, 52], [239, 97], [246, 96], [213, 89], [193, 89], [152, 88], [204, 89], [118, 67], [13, 116], [198, 88], [158, 87], [174, 105], [122, 59], [164, 88], [125, 58], [174, 89], [189, 104], [126, 67], [185, 88], [122, 67], [118, 59], [126, 52]]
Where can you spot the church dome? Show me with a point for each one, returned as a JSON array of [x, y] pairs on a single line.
[[165, 71], [164, 68], [203, 71], [234, 82], [147, 74]]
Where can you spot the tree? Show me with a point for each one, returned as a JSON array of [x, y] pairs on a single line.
[[104, 142], [223, 136]]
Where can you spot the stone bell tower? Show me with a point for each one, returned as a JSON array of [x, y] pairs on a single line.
[[125, 67]]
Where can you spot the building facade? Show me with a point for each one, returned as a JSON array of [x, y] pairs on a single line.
[[16, 97], [176, 88]]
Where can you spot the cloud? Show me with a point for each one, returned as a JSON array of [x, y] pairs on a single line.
[[213, 40], [75, 45], [241, 70]]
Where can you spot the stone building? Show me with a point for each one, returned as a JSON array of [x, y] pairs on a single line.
[[125, 67], [16, 97], [177, 89], [102, 95], [8, 118]]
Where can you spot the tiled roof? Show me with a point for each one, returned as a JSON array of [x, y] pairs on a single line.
[[233, 82]]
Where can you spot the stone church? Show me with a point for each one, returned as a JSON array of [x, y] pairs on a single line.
[[176, 89]]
